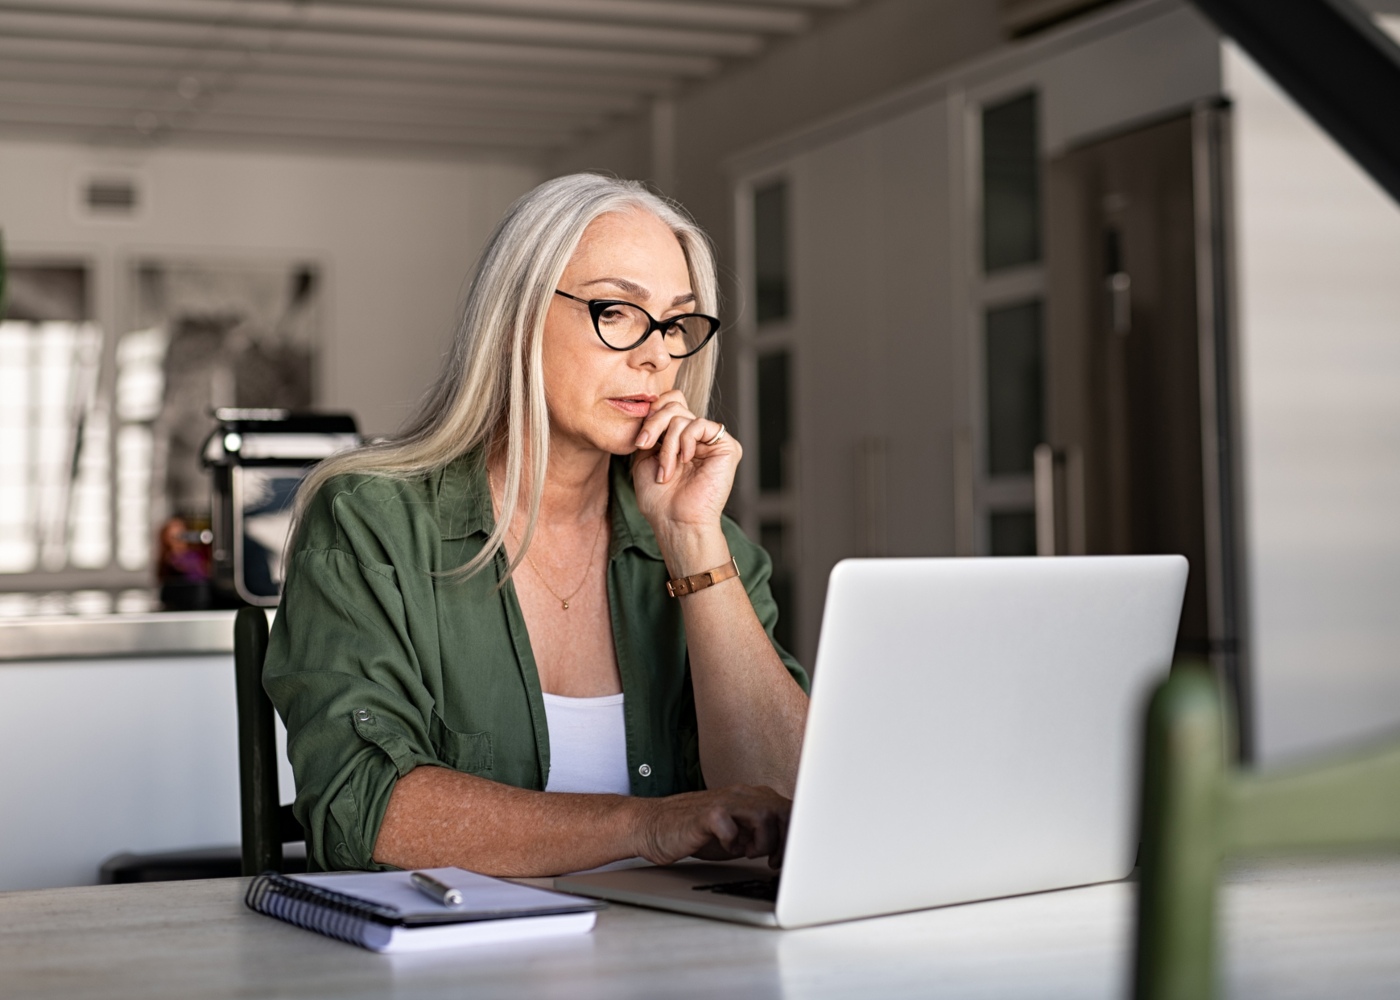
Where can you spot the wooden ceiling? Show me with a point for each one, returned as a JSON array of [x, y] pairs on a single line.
[[513, 78]]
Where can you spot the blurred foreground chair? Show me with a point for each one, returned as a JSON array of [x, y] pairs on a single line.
[[267, 824], [1198, 810]]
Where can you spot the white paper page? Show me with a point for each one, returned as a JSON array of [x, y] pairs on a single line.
[[483, 896]]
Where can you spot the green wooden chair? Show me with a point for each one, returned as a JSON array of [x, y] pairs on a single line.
[[1197, 809]]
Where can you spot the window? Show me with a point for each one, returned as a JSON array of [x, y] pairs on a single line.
[[770, 252], [1015, 388], [1012, 533], [54, 459], [1010, 184], [766, 343], [774, 421], [100, 436], [1008, 294]]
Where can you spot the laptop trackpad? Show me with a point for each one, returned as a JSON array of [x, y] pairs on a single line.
[[726, 889]]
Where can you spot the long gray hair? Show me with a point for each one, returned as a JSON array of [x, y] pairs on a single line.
[[491, 392]]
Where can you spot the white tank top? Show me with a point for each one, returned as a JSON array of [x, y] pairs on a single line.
[[587, 745]]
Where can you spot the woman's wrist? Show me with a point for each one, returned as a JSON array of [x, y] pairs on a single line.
[[690, 550], [640, 817]]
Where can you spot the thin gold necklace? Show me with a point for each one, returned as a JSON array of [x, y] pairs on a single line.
[[587, 570]]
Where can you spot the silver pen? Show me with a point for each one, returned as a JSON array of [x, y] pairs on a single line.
[[432, 888]]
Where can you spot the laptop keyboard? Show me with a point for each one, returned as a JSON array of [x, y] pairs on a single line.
[[753, 888]]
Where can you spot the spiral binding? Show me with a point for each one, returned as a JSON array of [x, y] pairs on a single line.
[[322, 910]]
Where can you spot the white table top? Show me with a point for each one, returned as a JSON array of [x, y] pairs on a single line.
[[1293, 929]]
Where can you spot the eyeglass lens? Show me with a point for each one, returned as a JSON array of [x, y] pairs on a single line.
[[621, 326]]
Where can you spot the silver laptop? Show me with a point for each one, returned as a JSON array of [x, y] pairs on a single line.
[[973, 733]]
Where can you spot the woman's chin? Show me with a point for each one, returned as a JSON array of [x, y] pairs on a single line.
[[616, 444], [622, 441]]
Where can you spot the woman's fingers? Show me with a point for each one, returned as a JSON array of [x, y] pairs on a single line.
[[696, 433], [659, 433], [682, 438], [725, 823], [760, 818], [668, 452], [667, 406], [674, 433]]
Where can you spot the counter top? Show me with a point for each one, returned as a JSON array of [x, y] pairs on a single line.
[[164, 633]]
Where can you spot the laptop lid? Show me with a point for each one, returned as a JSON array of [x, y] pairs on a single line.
[[974, 730]]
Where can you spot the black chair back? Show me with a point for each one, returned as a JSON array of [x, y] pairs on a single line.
[[267, 824]]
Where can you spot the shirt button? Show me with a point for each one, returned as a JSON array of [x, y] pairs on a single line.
[[363, 715], [644, 770]]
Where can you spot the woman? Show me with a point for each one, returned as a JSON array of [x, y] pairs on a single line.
[[476, 655]]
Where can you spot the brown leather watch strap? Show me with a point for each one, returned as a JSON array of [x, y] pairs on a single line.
[[690, 584]]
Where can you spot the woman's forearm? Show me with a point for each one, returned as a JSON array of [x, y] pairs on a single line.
[[439, 817], [750, 711]]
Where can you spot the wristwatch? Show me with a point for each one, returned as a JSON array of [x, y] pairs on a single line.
[[681, 586]]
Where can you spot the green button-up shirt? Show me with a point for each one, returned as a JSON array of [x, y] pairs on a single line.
[[381, 659]]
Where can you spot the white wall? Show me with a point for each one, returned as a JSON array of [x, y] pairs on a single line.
[[396, 238], [1319, 287]]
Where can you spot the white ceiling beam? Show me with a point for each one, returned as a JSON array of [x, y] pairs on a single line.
[[272, 117], [163, 79], [380, 21], [177, 110], [378, 131], [253, 41], [764, 17], [202, 63], [360, 145], [255, 107], [525, 98], [142, 122], [814, 4], [436, 146], [216, 142]]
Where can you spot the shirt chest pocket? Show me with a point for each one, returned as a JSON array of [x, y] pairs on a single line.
[[469, 752]]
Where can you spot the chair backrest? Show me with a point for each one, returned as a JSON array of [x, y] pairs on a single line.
[[1197, 810], [267, 824]]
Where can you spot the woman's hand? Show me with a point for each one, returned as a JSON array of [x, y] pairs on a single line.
[[736, 822], [682, 483]]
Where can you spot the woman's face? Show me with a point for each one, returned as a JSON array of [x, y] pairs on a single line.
[[597, 396]]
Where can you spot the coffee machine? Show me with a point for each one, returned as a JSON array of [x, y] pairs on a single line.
[[257, 459]]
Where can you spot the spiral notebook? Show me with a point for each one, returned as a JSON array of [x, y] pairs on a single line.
[[382, 911]]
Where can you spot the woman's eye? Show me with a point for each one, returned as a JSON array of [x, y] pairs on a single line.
[[612, 314]]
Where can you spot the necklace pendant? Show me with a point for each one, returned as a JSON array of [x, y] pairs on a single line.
[[566, 605]]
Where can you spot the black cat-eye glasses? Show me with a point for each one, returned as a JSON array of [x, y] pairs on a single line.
[[623, 326]]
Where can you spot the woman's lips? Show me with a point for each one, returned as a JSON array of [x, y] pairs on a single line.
[[633, 406]]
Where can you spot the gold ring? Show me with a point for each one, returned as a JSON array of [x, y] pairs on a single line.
[[719, 436]]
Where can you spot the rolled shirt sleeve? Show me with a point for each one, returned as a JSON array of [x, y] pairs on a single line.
[[342, 670]]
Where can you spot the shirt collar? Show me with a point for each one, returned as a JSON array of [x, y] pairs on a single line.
[[464, 504]]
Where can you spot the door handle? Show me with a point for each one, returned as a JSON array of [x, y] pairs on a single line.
[[1120, 301], [1044, 465], [1059, 478]]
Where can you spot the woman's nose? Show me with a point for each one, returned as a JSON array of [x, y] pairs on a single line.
[[651, 354]]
